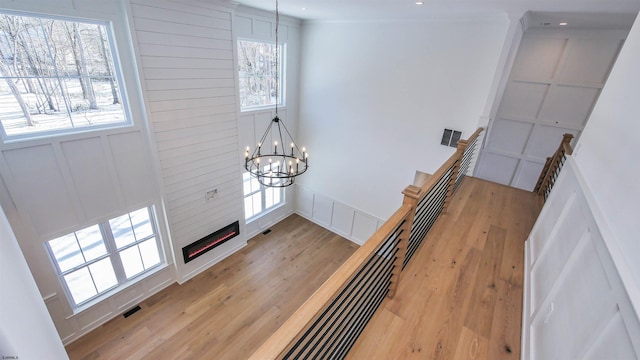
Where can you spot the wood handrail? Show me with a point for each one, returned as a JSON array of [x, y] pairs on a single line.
[[285, 338], [433, 179], [473, 136], [552, 164], [281, 341]]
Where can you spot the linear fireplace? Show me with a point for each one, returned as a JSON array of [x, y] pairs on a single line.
[[210, 241]]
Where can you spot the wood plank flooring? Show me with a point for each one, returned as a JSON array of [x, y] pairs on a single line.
[[460, 297], [228, 311]]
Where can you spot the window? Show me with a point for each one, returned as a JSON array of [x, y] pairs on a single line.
[[257, 74], [101, 257], [56, 76], [259, 199]]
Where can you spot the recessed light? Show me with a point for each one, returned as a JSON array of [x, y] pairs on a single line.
[[419, 2], [304, 9], [563, 24]]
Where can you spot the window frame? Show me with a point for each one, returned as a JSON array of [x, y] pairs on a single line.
[[113, 253], [117, 75], [262, 189], [282, 88]]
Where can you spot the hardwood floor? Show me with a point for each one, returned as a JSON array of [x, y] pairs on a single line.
[[460, 297], [228, 311]]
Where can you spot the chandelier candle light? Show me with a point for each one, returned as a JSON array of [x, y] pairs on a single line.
[[280, 168]]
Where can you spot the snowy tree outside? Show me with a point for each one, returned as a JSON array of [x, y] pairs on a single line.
[[257, 74], [56, 75]]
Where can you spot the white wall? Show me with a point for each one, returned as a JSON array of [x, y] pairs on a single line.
[[376, 97], [26, 330], [607, 157]]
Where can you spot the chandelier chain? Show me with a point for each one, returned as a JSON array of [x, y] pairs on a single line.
[[277, 59]]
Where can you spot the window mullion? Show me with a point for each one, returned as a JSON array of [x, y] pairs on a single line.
[[263, 197], [112, 249], [156, 233]]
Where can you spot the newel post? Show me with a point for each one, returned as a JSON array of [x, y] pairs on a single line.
[[411, 195], [462, 146]]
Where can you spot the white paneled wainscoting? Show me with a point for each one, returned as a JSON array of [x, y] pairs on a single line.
[[580, 301], [344, 220]]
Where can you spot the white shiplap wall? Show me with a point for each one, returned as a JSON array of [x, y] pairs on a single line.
[[186, 57]]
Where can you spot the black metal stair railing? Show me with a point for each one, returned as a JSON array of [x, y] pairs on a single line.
[[333, 333], [427, 211], [330, 322]]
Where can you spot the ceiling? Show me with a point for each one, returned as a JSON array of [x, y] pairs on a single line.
[[363, 10]]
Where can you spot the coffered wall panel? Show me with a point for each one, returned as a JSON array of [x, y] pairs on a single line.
[[554, 83]]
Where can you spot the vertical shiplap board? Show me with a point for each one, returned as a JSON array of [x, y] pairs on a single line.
[[186, 51], [576, 304]]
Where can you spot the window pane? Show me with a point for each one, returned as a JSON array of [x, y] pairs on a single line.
[[141, 223], [103, 275], [80, 285], [149, 252], [255, 184], [246, 186], [131, 261], [91, 242], [122, 231], [257, 73], [61, 75], [66, 251], [268, 194]]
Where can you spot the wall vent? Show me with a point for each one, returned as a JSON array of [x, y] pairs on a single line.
[[451, 137], [131, 312]]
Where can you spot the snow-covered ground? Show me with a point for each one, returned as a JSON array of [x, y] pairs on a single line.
[[73, 113]]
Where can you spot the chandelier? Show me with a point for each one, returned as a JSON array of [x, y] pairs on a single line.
[[280, 167]]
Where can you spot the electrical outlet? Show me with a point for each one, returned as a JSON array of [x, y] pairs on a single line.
[[209, 195]]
